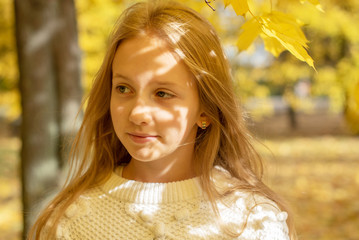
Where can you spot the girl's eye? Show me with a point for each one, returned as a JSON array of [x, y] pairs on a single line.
[[163, 94], [123, 89]]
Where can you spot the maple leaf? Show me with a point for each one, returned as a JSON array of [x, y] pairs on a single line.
[[239, 6], [272, 45], [316, 3], [286, 30], [281, 24], [279, 31], [251, 29]]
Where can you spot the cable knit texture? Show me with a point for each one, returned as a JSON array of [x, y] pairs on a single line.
[[126, 209]]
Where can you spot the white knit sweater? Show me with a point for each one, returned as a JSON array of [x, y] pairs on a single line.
[[126, 209]]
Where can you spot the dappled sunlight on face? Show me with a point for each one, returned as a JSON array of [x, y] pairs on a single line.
[[154, 102], [162, 63]]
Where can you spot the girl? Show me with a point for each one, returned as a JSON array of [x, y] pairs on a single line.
[[163, 152]]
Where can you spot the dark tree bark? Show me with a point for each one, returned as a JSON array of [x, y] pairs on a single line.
[[49, 67]]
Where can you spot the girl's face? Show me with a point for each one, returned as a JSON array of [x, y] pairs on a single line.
[[154, 101]]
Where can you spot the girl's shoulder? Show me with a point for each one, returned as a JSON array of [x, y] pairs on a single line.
[[261, 216]]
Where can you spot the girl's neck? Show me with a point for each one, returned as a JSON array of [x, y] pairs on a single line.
[[161, 171]]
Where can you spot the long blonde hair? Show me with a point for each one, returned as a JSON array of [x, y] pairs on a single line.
[[227, 143]]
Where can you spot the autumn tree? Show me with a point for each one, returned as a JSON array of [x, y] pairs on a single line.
[[49, 68]]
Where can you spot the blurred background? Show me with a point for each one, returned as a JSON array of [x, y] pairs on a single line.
[[307, 119]]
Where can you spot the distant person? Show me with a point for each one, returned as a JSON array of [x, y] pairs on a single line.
[[163, 151]]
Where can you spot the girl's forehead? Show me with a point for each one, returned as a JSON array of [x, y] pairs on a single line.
[[143, 47], [147, 57], [147, 41]]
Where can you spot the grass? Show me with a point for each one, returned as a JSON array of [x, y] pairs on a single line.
[[319, 176]]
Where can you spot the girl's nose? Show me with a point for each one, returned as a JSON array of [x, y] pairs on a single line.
[[141, 113]]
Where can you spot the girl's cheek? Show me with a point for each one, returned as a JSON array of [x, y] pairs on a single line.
[[176, 114], [164, 116], [118, 109]]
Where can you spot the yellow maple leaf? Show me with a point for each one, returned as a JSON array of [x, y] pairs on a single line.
[[316, 3], [278, 23], [250, 31], [239, 6], [272, 45], [287, 31]]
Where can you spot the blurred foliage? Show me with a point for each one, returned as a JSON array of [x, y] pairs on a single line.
[[9, 94], [334, 46], [95, 22], [331, 27], [318, 176]]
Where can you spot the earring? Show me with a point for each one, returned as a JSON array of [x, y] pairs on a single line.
[[204, 125]]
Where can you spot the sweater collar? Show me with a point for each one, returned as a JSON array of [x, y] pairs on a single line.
[[151, 193]]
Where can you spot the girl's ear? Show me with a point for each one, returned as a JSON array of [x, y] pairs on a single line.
[[203, 121]]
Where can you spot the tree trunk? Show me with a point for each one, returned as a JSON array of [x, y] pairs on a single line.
[[49, 67]]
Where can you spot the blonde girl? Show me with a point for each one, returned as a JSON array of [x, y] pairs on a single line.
[[163, 151]]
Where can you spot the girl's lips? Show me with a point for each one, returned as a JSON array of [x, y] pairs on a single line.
[[141, 138]]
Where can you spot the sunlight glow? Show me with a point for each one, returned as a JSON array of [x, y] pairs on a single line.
[[176, 36], [166, 62], [212, 53], [199, 230]]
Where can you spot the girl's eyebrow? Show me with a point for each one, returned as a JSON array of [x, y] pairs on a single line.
[[161, 83], [118, 75]]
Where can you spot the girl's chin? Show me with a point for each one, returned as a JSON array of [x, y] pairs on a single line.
[[149, 157]]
